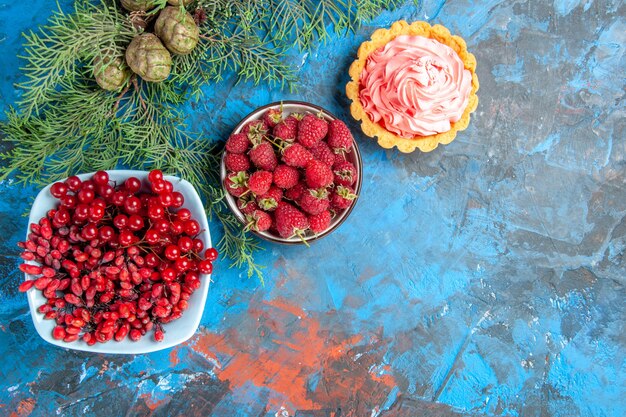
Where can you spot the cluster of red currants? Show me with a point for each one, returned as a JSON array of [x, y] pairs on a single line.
[[114, 261]]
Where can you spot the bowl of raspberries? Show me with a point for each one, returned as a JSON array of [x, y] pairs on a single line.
[[292, 172]]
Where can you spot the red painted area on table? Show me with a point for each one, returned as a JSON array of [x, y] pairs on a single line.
[[24, 408], [151, 404], [287, 352]]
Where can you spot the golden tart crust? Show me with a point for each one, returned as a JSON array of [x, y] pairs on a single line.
[[380, 38]]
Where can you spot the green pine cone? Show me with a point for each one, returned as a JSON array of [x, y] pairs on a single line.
[[177, 30], [148, 58], [110, 73], [138, 5], [177, 2]]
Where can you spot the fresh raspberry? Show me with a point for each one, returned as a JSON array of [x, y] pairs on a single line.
[[320, 222], [236, 162], [342, 197], [258, 221], [318, 175], [260, 182], [236, 183], [323, 153], [296, 155], [314, 201], [263, 156], [339, 136], [272, 117], [246, 205], [285, 176], [345, 173], [287, 129], [255, 130], [237, 143], [296, 191], [339, 158], [290, 221], [269, 201], [311, 130]]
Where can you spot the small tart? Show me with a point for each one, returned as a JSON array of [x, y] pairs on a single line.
[[386, 138]]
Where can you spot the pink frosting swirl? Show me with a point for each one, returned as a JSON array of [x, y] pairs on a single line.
[[415, 86]]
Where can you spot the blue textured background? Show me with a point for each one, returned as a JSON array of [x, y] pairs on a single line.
[[484, 278]]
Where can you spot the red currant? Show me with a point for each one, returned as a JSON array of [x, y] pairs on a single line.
[[198, 245], [132, 205], [135, 222], [156, 211], [183, 214], [172, 252], [106, 233], [158, 186], [211, 254], [152, 237], [58, 189], [185, 243], [120, 221], [155, 175], [205, 266], [132, 184], [192, 227], [177, 199], [100, 178], [73, 183]]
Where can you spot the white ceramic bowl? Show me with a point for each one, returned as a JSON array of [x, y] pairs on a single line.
[[175, 332], [354, 156]]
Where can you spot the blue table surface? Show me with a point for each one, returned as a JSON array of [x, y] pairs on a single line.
[[484, 278]]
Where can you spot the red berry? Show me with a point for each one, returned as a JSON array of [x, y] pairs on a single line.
[[172, 252], [158, 186], [260, 182], [272, 117], [290, 221], [192, 227], [100, 177], [285, 176], [73, 183], [311, 130], [314, 201], [339, 137], [236, 162], [318, 175], [132, 184], [258, 220], [183, 214], [262, 156], [132, 205], [205, 267], [323, 153], [185, 243], [211, 254], [345, 173], [236, 183], [296, 155], [269, 201], [342, 197], [320, 222], [177, 199], [58, 189], [237, 143], [155, 175], [26, 285], [58, 333], [255, 130], [296, 191], [287, 129]]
